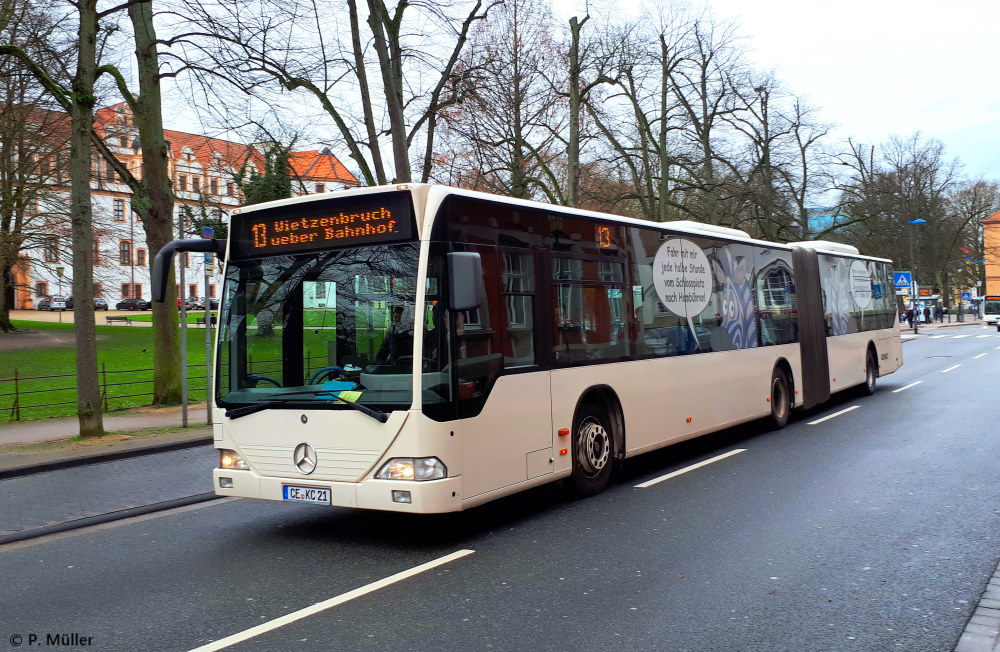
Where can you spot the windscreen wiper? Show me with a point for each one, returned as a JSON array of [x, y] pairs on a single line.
[[236, 413]]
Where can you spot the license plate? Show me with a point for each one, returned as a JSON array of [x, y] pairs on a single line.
[[307, 494]]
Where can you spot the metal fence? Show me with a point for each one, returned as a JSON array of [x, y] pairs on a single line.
[[119, 389]]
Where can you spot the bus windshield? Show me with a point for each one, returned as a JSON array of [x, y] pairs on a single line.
[[303, 329]]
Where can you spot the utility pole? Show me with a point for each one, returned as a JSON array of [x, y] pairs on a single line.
[[208, 233], [183, 308]]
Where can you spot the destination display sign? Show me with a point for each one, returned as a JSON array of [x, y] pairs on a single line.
[[330, 224]]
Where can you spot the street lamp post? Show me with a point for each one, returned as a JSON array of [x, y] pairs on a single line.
[[913, 275]]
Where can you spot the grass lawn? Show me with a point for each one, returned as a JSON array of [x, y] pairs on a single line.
[[47, 371]]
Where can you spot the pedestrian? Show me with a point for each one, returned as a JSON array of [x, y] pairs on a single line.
[[909, 317], [927, 315]]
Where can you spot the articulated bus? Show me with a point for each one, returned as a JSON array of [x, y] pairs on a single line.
[[421, 348]]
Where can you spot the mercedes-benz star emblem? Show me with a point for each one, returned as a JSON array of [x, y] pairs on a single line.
[[304, 458]]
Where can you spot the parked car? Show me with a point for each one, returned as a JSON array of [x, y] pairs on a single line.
[[51, 303], [132, 304], [99, 303], [199, 303]]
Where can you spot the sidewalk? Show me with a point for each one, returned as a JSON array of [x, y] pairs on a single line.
[[146, 462], [906, 332], [25, 444]]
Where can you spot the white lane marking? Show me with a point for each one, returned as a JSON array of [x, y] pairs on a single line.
[[997, 349], [951, 368], [896, 391], [326, 604], [835, 414], [650, 483], [958, 337], [979, 337], [979, 356], [936, 337]]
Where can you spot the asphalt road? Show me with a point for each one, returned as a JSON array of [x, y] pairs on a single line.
[[876, 529]]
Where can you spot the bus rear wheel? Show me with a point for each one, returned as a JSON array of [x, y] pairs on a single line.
[[781, 400], [871, 374], [593, 452]]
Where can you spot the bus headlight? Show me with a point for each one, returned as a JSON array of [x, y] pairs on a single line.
[[413, 468], [232, 460]]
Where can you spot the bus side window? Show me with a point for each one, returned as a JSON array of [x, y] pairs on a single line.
[[519, 295]]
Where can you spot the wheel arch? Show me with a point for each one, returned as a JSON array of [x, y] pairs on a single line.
[[607, 398], [873, 349], [783, 364]]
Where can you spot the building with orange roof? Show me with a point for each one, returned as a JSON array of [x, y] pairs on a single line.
[[991, 253], [204, 172]]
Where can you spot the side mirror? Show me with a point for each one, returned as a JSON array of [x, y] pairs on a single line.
[[465, 273], [161, 264]]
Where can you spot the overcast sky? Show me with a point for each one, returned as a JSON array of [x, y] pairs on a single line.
[[879, 68]]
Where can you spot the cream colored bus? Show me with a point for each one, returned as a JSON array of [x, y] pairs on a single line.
[[421, 348]]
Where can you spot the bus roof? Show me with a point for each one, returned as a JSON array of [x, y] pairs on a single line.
[[426, 195]]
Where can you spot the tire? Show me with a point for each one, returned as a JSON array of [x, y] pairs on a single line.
[[593, 451], [871, 375], [781, 399]]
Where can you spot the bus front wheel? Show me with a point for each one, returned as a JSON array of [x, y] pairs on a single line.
[[781, 403], [593, 452]]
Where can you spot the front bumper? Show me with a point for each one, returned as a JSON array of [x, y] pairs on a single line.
[[432, 496]]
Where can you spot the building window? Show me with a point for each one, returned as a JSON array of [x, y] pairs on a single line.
[[125, 252], [124, 140], [137, 290], [230, 189], [182, 182], [119, 208], [214, 186], [125, 290], [41, 289], [211, 291], [109, 172], [195, 184], [320, 187], [51, 249], [140, 256], [193, 290]]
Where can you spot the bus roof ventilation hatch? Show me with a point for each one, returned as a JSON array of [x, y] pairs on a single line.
[[826, 245], [709, 229]]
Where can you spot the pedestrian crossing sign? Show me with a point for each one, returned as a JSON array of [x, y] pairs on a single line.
[[901, 279]]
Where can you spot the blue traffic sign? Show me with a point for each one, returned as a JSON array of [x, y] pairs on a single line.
[[207, 232], [966, 296], [902, 279]]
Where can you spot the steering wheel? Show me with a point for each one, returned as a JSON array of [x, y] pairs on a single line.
[[257, 379], [320, 375]]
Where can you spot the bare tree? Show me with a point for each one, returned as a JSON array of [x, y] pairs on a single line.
[[78, 101], [34, 147], [506, 127], [412, 49]]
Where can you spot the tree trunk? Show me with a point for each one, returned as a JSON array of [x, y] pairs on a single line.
[[156, 206], [7, 300], [82, 115]]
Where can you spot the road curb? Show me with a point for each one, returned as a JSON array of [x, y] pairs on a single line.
[[68, 463], [99, 519]]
